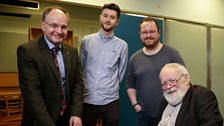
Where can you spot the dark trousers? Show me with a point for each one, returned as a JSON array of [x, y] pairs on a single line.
[[63, 120], [145, 120], [108, 113]]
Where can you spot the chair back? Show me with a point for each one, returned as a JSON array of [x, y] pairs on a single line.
[[13, 104]]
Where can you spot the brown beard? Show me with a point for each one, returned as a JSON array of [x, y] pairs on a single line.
[[151, 46], [107, 30]]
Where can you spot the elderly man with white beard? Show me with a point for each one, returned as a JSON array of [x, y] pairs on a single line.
[[185, 104]]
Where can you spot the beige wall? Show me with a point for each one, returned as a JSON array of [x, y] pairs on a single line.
[[218, 65], [14, 30], [190, 40], [206, 11]]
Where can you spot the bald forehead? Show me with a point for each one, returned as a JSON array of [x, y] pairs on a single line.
[[168, 70], [55, 11]]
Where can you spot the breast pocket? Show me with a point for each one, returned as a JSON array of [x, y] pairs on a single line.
[[112, 59]]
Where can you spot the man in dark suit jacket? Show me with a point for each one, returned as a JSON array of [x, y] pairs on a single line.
[[186, 104], [43, 84]]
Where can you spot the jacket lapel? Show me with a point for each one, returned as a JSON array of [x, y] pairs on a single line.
[[46, 54], [183, 109]]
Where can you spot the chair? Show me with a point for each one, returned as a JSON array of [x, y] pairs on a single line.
[[11, 124], [11, 120], [99, 121], [13, 105]]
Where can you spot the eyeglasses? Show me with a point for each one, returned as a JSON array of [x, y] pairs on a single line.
[[56, 26], [152, 32], [171, 82]]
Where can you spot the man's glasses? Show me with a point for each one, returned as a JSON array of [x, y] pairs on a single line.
[[152, 32], [56, 26], [171, 82]]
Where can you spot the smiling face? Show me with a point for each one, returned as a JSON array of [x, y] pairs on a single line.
[[108, 20], [149, 34], [55, 26], [174, 93]]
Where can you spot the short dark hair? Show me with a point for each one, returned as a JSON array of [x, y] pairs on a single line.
[[47, 10], [149, 19], [112, 6]]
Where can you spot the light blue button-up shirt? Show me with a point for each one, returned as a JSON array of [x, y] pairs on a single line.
[[104, 59]]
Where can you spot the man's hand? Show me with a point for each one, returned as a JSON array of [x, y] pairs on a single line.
[[138, 108], [75, 121]]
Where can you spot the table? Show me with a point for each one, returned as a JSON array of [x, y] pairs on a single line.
[[4, 91]]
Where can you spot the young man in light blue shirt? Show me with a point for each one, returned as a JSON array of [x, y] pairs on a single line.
[[104, 58]]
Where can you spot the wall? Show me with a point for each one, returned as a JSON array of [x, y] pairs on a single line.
[[14, 30], [206, 11], [190, 41], [217, 65]]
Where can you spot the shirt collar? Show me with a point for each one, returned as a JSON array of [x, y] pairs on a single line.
[[179, 103], [50, 44], [104, 36]]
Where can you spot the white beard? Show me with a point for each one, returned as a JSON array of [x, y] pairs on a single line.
[[176, 96]]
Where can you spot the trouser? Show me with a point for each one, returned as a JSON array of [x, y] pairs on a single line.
[[63, 120], [109, 114], [145, 120]]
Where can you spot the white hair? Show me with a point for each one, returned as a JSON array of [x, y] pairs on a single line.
[[178, 67]]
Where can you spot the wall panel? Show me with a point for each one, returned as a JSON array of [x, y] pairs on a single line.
[[218, 65], [190, 41]]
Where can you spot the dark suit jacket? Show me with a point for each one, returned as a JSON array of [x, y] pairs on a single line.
[[199, 108], [40, 84]]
